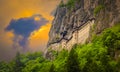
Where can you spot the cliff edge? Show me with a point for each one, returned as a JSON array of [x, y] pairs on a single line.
[[76, 21]]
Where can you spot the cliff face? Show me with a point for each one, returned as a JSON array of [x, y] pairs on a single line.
[[75, 24]]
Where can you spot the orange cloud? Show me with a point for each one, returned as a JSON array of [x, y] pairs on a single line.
[[42, 33], [15, 9], [25, 8], [39, 37]]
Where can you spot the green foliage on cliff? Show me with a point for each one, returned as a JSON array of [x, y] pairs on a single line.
[[98, 9], [70, 4], [101, 55], [61, 4]]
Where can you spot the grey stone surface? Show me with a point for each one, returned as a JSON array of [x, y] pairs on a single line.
[[73, 26]]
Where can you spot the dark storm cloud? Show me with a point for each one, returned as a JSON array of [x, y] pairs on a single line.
[[23, 27]]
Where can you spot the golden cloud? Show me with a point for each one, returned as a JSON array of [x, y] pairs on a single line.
[[15, 9]]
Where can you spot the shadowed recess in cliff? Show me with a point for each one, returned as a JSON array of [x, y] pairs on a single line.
[[23, 27]]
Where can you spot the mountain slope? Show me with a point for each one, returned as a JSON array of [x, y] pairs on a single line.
[[76, 21]]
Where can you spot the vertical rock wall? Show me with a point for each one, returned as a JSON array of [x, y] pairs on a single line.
[[71, 26]]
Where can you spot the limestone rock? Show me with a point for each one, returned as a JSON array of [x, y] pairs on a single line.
[[71, 26]]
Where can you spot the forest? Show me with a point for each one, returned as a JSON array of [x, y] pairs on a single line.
[[102, 54]]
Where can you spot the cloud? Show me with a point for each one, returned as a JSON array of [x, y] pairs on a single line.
[[17, 9], [23, 27]]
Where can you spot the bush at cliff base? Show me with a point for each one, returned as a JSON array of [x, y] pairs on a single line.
[[101, 55]]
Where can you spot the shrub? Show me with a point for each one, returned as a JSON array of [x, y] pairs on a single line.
[[61, 4], [98, 9], [70, 4]]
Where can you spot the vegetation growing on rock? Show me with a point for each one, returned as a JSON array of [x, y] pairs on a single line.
[[98, 56], [98, 9]]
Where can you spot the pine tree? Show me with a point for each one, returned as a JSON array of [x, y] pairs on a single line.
[[52, 68], [18, 64], [72, 61]]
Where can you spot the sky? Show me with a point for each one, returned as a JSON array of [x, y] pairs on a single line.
[[24, 26]]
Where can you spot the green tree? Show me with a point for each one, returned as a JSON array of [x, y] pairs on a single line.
[[72, 61], [18, 64], [52, 68], [4, 67], [111, 39], [60, 61]]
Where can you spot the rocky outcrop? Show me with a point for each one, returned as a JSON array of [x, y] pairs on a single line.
[[73, 25], [108, 16]]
